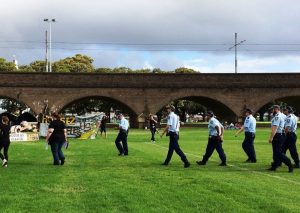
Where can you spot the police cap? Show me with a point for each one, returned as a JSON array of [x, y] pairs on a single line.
[[289, 109], [171, 107], [275, 107], [209, 113], [248, 110]]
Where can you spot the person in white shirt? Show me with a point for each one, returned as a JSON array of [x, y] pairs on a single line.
[[122, 136], [172, 129], [250, 128], [215, 140]]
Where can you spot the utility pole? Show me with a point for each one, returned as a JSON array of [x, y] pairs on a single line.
[[50, 21], [235, 50], [46, 37]]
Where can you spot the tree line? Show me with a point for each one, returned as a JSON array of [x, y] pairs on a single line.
[[78, 64]]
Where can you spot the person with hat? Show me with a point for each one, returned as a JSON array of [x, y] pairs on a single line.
[[215, 140], [172, 129], [248, 144], [277, 139], [290, 127], [122, 135]]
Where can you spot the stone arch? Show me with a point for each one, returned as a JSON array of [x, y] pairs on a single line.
[[220, 109], [293, 100], [16, 119], [125, 108]]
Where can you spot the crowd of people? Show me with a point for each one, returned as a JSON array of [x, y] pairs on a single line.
[[282, 137]]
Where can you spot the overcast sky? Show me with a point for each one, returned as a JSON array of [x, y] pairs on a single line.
[[163, 34]]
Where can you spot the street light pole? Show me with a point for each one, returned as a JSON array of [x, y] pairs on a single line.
[[235, 50], [46, 41], [50, 21]]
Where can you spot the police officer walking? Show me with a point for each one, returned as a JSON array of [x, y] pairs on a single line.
[[277, 139], [290, 127], [122, 136], [215, 139], [172, 129], [248, 144]]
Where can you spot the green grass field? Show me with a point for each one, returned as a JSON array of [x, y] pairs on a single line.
[[95, 179]]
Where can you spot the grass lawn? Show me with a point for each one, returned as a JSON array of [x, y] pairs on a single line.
[[95, 179]]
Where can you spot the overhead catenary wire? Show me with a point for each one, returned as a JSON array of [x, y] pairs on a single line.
[[151, 47]]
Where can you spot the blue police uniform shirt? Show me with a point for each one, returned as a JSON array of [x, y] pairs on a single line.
[[213, 122], [278, 121], [295, 121], [124, 124], [291, 123], [173, 122], [250, 124]]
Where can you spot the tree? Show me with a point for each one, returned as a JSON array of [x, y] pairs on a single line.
[[185, 70], [6, 66], [75, 64], [38, 66], [89, 105], [26, 68], [122, 70], [142, 71], [182, 108], [157, 70], [103, 70], [11, 105]]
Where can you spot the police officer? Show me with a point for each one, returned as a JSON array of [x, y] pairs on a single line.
[[277, 139], [248, 144], [122, 136], [172, 129], [290, 127], [215, 139]]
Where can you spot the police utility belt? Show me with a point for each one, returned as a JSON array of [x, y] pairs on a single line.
[[250, 134], [123, 131], [290, 133], [171, 133], [279, 134]]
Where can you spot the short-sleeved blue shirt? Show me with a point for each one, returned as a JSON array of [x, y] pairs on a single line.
[[213, 122], [124, 124], [250, 124], [173, 122], [291, 123], [278, 121]]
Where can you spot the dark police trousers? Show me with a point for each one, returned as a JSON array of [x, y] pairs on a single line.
[[122, 136], [290, 144], [278, 155], [173, 145], [248, 146], [214, 142]]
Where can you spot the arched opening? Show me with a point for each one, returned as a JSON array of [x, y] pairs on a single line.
[[21, 117], [193, 108], [264, 112], [100, 105], [16, 111]]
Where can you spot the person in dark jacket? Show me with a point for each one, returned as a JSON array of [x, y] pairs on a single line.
[[56, 137], [4, 140], [152, 125]]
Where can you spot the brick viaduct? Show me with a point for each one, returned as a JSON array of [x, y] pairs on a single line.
[[139, 94]]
